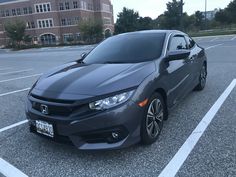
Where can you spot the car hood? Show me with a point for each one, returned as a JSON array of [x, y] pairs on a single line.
[[79, 81]]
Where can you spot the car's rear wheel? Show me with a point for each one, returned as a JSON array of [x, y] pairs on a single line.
[[202, 78], [152, 123]]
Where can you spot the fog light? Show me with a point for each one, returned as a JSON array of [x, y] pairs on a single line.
[[115, 135]]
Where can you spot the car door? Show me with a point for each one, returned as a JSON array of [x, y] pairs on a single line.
[[178, 75], [195, 62]]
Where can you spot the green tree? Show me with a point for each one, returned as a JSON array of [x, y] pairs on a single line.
[[171, 19], [127, 21], [231, 11], [145, 23], [91, 31], [16, 31], [227, 15], [199, 19]]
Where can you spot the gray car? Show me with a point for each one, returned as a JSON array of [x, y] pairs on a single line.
[[120, 93]]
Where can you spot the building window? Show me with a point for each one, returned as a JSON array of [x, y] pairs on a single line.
[[45, 23], [77, 36], [40, 8], [13, 12], [67, 36], [25, 10], [83, 5], [45, 7], [90, 6], [30, 10], [107, 21], [2, 13], [37, 8], [35, 38], [61, 6], [48, 7], [69, 21], [27, 25], [32, 25], [18, 11], [75, 4], [76, 20], [7, 13], [50, 23], [67, 5], [39, 24], [106, 8], [63, 22]]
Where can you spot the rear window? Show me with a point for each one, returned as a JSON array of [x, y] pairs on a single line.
[[128, 48]]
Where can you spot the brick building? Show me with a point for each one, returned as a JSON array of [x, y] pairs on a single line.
[[54, 21]]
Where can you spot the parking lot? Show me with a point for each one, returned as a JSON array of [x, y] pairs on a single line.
[[25, 154]]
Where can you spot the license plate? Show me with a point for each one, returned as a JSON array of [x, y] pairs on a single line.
[[44, 128]]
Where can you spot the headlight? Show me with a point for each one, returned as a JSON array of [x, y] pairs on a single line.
[[111, 101]]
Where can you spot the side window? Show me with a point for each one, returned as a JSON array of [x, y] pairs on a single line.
[[178, 43], [190, 42]]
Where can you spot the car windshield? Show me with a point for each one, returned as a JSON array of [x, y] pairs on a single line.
[[128, 48]]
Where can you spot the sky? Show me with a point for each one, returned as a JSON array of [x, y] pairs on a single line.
[[153, 8]]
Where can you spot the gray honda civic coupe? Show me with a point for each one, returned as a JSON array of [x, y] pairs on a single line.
[[118, 94]]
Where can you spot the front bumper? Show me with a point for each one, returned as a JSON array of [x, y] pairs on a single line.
[[111, 129]]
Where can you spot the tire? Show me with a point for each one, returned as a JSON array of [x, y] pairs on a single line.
[[202, 79], [154, 115]]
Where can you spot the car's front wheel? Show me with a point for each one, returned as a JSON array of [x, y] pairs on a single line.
[[152, 122], [202, 78]]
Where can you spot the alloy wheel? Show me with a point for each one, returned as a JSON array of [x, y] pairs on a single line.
[[155, 116]]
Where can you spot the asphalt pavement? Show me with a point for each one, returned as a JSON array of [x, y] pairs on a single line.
[[213, 155]]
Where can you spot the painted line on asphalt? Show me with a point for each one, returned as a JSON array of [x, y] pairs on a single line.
[[13, 125], [18, 78], [233, 38], [213, 46], [179, 158], [213, 36], [16, 91], [9, 170], [13, 72], [214, 39], [2, 69]]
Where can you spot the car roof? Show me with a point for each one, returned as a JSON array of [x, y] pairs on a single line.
[[153, 32]]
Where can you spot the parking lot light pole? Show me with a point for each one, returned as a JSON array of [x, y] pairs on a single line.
[[205, 14], [181, 15]]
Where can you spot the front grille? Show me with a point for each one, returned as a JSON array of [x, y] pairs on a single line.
[[62, 110], [55, 110]]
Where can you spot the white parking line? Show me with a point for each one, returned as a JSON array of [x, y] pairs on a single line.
[[177, 161], [213, 46], [18, 78], [233, 38], [2, 69], [16, 91], [13, 72], [13, 125], [9, 170], [214, 39]]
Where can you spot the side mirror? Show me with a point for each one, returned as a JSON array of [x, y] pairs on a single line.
[[178, 55]]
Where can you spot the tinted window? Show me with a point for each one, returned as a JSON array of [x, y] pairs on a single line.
[[128, 48], [190, 42], [177, 43]]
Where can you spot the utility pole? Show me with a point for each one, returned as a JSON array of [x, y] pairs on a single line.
[[205, 14], [181, 15]]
